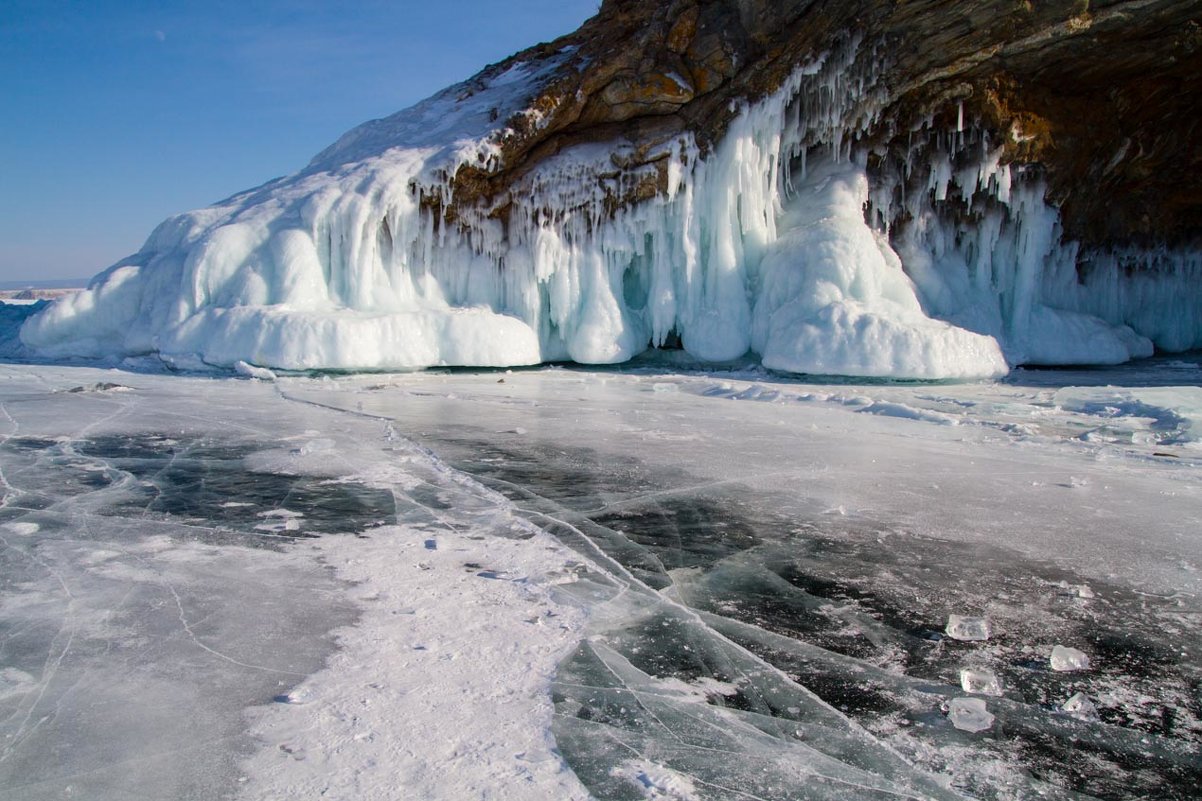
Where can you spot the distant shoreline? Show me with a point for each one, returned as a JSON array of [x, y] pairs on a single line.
[[33, 283]]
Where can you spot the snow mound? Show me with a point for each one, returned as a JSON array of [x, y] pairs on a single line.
[[835, 299]]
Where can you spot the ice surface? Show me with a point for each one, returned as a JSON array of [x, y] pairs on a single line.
[[158, 579], [128, 652], [798, 512], [1168, 416], [1065, 659], [969, 714], [615, 583], [960, 627], [656, 782], [780, 239]]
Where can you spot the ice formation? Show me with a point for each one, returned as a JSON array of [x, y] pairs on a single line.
[[789, 238], [1080, 706], [969, 714], [1065, 659], [981, 681], [968, 629]]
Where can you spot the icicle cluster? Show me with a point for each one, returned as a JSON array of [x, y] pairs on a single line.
[[986, 252], [763, 244]]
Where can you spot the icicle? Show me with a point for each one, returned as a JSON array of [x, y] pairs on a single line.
[[307, 277]]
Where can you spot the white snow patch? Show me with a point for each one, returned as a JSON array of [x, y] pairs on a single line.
[[442, 689], [656, 781]]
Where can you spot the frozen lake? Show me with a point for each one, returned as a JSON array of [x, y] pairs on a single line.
[[638, 583]]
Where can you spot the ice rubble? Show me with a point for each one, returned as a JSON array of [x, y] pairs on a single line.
[[969, 714], [968, 629], [981, 681], [777, 241], [1064, 659]]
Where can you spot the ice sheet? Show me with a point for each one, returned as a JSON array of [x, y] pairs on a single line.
[[179, 553], [615, 583], [809, 556], [136, 625]]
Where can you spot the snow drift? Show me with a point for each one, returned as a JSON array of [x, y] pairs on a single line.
[[787, 239]]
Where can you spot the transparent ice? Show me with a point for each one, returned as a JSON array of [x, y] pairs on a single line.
[[658, 579], [969, 714], [971, 629], [981, 681], [1065, 659]]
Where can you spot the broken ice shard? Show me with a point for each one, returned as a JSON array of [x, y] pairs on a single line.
[[980, 681], [1065, 659], [969, 714], [1079, 706], [967, 628]]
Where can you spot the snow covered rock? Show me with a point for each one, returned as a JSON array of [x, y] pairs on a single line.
[[786, 178]]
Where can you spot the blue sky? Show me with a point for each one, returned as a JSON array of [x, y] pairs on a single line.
[[117, 114]]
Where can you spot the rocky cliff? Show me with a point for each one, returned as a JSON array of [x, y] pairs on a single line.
[[1105, 97]]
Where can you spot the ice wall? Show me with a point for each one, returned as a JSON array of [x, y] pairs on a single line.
[[985, 251], [790, 238]]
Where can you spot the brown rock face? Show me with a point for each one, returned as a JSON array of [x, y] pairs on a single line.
[[1104, 97]]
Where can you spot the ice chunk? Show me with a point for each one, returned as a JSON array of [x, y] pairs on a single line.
[[1079, 706], [969, 714], [981, 681], [250, 371], [1064, 659], [967, 628]]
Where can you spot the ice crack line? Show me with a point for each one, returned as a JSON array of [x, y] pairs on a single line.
[[594, 553], [183, 619], [187, 627], [53, 663], [10, 492]]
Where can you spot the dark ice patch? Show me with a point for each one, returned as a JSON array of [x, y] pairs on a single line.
[[203, 482], [865, 605]]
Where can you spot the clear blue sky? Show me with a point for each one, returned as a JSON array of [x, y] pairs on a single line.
[[115, 114]]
